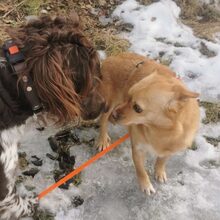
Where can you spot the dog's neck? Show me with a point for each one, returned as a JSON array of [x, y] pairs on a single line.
[[14, 107]]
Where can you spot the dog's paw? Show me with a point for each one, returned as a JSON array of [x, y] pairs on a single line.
[[161, 176], [147, 187], [30, 205], [103, 142]]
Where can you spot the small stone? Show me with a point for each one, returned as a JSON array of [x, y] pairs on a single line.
[[75, 138], [22, 154], [181, 182], [30, 188], [37, 162], [59, 176], [35, 157], [77, 180], [51, 156], [204, 50], [43, 11], [32, 172], [102, 2], [77, 201], [48, 8], [53, 144], [66, 162], [161, 53], [127, 27], [180, 172], [62, 135], [40, 128], [23, 163], [20, 179]]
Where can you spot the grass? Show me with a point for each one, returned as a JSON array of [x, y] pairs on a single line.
[[146, 2], [104, 38], [43, 215], [204, 19], [213, 141], [32, 7], [194, 146], [110, 43], [192, 9], [212, 111]]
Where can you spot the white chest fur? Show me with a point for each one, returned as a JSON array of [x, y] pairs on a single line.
[[9, 140], [146, 148]]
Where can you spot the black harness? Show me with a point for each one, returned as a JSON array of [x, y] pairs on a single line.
[[16, 61]]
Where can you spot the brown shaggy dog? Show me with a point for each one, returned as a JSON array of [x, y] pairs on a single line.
[[61, 61], [64, 68]]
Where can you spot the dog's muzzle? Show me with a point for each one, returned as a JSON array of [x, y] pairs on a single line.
[[93, 106]]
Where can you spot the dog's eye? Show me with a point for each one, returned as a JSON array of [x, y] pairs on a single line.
[[137, 108]]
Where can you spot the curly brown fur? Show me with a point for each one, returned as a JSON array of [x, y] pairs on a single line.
[[61, 61]]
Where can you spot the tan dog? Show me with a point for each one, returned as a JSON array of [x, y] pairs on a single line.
[[162, 115]]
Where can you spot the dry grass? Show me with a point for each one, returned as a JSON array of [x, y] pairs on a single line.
[[205, 30], [204, 19], [192, 9], [213, 141], [212, 111], [146, 2], [111, 43], [104, 38]]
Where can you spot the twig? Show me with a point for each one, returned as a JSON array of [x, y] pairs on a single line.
[[16, 6]]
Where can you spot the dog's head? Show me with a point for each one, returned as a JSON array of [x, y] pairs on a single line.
[[63, 64], [94, 102], [155, 100]]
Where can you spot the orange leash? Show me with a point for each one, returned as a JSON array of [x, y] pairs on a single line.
[[82, 167]]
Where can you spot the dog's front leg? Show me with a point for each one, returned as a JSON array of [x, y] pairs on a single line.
[[160, 173], [104, 140], [12, 206], [143, 178]]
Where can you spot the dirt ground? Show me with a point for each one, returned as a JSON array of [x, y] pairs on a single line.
[[204, 19]]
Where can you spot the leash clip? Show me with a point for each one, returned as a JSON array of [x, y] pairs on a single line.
[[40, 121]]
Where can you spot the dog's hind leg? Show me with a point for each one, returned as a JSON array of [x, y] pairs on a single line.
[[160, 173], [12, 206]]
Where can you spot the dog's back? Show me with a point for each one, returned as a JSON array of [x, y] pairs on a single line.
[[116, 71], [120, 72]]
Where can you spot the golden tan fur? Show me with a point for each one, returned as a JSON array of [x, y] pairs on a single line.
[[162, 115]]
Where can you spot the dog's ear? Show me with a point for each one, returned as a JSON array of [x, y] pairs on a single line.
[[143, 83], [182, 93]]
